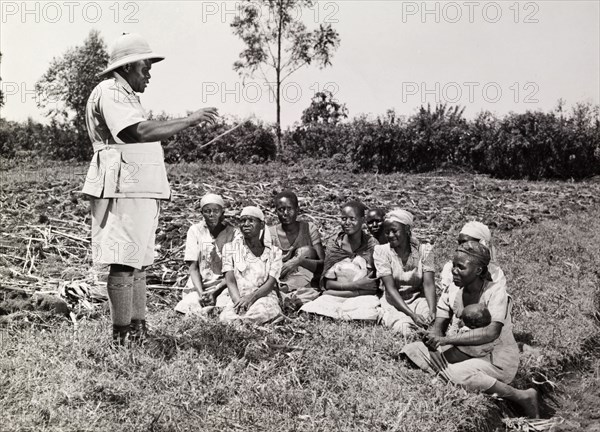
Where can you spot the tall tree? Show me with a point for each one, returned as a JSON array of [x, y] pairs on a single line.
[[276, 38], [67, 84]]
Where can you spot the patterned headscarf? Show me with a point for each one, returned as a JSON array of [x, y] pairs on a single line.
[[479, 254]]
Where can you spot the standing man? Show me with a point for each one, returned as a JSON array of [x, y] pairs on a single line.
[[127, 179]]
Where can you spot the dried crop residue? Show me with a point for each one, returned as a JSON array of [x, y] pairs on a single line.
[[45, 246]]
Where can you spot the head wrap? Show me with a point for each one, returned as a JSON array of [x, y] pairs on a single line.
[[401, 216], [254, 212], [478, 231], [211, 198], [481, 232], [479, 255]]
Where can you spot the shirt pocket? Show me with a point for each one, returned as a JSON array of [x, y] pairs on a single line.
[[142, 173]]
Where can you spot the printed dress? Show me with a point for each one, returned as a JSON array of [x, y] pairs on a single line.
[[250, 273]]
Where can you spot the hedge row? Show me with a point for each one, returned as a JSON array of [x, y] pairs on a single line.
[[533, 145]]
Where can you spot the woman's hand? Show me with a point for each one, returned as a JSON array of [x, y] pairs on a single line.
[[289, 267], [210, 296], [289, 255], [431, 317], [422, 321], [207, 298], [243, 304], [434, 341]]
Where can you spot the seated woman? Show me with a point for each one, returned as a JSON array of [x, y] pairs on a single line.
[[303, 254], [375, 218], [492, 373], [251, 266], [406, 269], [351, 289], [203, 246], [474, 231]]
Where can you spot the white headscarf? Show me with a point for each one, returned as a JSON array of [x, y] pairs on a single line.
[[401, 216], [211, 198], [481, 232], [254, 212]]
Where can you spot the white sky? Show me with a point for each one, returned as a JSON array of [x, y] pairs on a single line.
[[391, 55]]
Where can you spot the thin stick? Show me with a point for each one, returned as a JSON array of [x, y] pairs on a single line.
[[227, 132], [70, 236]]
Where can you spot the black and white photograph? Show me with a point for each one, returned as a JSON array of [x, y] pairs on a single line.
[[300, 215]]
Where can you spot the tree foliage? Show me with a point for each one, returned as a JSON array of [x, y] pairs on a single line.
[[277, 40], [324, 109], [65, 87]]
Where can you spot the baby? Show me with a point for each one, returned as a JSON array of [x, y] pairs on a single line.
[[348, 270], [474, 316]]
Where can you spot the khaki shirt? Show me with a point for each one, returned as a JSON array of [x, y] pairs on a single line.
[[120, 170]]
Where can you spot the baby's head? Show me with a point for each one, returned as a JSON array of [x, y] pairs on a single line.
[[476, 316]]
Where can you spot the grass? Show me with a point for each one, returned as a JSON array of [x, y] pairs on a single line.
[[206, 376], [306, 374]]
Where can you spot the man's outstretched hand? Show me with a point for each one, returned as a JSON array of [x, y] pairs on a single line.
[[208, 115]]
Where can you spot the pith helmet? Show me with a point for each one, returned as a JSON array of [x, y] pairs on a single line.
[[129, 48]]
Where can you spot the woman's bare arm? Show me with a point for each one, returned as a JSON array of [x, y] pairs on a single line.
[[196, 276], [234, 292], [478, 336]]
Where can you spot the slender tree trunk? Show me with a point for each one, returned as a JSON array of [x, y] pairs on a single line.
[[278, 71]]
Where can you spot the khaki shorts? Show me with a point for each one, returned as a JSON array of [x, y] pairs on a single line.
[[124, 230]]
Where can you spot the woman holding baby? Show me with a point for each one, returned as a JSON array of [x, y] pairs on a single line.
[[484, 356], [350, 289]]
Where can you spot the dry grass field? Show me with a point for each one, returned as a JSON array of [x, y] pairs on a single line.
[[59, 373]]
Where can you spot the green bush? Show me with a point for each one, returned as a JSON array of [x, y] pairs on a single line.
[[539, 145], [424, 142], [378, 145], [250, 143], [66, 143], [32, 139], [433, 137], [533, 145], [7, 145]]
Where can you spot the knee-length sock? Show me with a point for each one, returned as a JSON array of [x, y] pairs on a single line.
[[138, 304], [120, 291]]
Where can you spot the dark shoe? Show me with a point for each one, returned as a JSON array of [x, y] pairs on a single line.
[[139, 331], [121, 335]]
